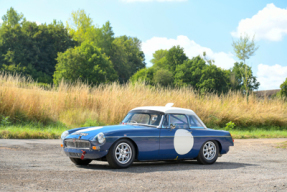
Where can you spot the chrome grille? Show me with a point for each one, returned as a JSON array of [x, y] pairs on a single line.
[[78, 144]]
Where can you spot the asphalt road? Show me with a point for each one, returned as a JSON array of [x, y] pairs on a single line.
[[251, 165]]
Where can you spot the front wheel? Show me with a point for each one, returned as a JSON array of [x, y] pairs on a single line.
[[208, 153], [77, 161], [121, 154]]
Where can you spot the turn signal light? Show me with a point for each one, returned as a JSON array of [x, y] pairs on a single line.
[[232, 138], [94, 148], [62, 145]]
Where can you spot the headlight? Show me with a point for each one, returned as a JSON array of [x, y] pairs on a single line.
[[64, 135], [100, 138]]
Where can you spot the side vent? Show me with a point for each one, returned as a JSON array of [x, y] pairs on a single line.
[[169, 105]]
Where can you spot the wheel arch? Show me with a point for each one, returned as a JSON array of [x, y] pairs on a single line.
[[219, 145], [133, 142], [201, 159]]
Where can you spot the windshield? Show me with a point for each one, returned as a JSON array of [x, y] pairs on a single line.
[[143, 118]]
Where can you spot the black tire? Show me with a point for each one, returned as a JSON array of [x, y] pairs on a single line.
[[208, 160], [112, 157], [77, 161]]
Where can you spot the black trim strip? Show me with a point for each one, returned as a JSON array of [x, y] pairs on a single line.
[[147, 111]]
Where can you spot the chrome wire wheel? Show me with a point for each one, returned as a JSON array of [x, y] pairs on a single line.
[[209, 150], [123, 153]]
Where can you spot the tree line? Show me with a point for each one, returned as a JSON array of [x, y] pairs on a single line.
[[78, 51], [173, 68], [81, 50]]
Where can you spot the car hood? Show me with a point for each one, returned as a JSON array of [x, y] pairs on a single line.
[[88, 133]]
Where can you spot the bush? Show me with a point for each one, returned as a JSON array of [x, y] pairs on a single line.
[[163, 77], [92, 123], [230, 125], [5, 121]]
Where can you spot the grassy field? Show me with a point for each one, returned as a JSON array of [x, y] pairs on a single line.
[[256, 134], [25, 132], [23, 101], [54, 132]]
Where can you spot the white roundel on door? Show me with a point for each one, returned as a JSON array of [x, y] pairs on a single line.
[[183, 141]]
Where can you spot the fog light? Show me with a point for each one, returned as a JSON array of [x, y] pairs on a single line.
[[94, 148]]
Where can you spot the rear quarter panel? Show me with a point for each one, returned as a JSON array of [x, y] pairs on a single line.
[[222, 137]]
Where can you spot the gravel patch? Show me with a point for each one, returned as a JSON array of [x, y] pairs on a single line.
[[41, 165]]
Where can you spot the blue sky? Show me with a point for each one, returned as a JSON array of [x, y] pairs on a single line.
[[195, 25]]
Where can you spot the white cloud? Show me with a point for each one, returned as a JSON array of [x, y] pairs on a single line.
[[271, 77], [37, 22], [1, 21], [191, 49], [131, 1], [269, 23]]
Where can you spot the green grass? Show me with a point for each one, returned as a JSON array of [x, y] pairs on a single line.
[[31, 132], [256, 134], [37, 130], [54, 131], [282, 145]]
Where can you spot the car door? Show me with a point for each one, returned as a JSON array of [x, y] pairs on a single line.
[[176, 139]]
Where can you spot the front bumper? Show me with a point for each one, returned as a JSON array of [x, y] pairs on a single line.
[[90, 153]]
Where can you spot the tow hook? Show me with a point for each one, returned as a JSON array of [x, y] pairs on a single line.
[[83, 154]]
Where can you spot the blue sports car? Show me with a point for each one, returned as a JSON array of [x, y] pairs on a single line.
[[148, 134]]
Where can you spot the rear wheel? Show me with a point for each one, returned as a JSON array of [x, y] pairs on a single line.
[[121, 154], [80, 161], [208, 153]]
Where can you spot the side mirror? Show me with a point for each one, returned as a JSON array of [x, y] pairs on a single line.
[[172, 126]]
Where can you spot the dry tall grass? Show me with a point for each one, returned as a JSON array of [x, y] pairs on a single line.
[[21, 98]]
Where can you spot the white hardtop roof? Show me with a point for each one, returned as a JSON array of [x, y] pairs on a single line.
[[167, 109]]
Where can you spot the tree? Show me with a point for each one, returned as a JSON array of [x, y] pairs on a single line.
[[79, 25], [127, 57], [159, 59], [151, 75], [244, 48], [283, 91], [144, 75], [242, 78], [158, 56], [163, 77], [12, 17], [106, 38], [209, 61], [202, 76], [123, 51], [119, 60], [164, 64], [175, 56], [32, 49], [85, 63]]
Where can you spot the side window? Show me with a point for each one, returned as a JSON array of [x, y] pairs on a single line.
[[194, 122], [165, 122], [179, 121], [155, 119]]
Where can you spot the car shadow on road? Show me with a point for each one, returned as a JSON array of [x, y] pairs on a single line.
[[145, 167]]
